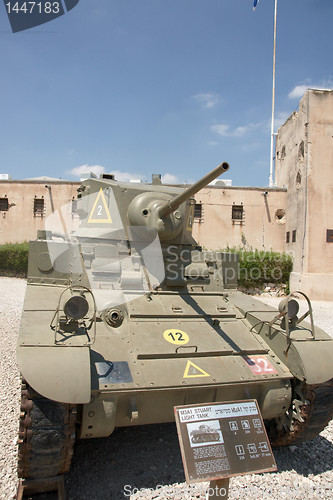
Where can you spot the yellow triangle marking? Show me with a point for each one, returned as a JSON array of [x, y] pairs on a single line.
[[190, 219], [99, 209], [195, 371]]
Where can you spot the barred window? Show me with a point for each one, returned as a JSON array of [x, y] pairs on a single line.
[[237, 212], [39, 206], [198, 211]]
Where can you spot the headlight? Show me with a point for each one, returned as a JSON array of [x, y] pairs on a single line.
[[292, 305], [76, 307]]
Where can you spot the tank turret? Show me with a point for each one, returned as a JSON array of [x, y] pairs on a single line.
[[166, 214]]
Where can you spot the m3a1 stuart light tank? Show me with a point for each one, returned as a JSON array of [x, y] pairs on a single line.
[[204, 434], [125, 316]]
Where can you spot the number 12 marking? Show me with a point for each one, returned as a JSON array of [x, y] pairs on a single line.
[[175, 336], [180, 336]]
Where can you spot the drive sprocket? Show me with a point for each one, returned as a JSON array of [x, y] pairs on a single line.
[[310, 411]]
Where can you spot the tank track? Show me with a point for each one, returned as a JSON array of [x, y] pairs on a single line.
[[308, 417], [46, 435]]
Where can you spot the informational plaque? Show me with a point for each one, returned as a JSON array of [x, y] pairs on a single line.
[[219, 440]]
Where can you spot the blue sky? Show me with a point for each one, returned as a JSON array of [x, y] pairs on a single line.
[[174, 87]]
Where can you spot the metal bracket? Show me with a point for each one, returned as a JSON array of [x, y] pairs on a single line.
[[56, 317], [134, 412], [289, 321]]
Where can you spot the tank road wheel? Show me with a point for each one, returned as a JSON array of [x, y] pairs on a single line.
[[309, 413], [46, 435]]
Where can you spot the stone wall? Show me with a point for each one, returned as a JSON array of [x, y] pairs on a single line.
[[261, 226], [26, 212], [304, 164]]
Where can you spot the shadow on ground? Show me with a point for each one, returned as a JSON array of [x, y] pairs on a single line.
[[137, 457], [145, 457], [312, 457]]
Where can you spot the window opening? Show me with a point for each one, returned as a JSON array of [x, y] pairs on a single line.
[[38, 207], [4, 206], [198, 211], [280, 215], [329, 236], [237, 213], [294, 236], [301, 151]]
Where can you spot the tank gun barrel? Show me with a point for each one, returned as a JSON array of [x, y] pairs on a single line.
[[171, 205]]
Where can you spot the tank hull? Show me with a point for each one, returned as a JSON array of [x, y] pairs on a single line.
[[126, 317]]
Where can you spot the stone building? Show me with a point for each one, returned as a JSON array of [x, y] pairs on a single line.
[[304, 165], [24, 205]]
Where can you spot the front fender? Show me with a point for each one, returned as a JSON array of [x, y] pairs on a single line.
[[57, 373]]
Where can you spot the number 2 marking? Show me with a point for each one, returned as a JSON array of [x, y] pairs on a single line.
[[100, 208]]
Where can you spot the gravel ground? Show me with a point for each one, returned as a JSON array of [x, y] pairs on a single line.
[[12, 295], [145, 462]]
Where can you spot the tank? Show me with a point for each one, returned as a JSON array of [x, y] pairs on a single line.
[[204, 434], [126, 316]]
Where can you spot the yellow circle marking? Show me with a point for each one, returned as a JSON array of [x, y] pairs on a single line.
[[175, 336]]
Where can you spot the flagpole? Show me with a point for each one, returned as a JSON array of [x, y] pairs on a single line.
[[271, 183]]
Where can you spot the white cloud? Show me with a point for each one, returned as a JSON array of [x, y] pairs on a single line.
[[240, 131], [298, 91], [83, 169], [207, 100], [125, 176], [225, 131], [221, 129], [98, 170], [170, 179]]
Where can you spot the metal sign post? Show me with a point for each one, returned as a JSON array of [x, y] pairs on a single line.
[[218, 489], [221, 440]]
